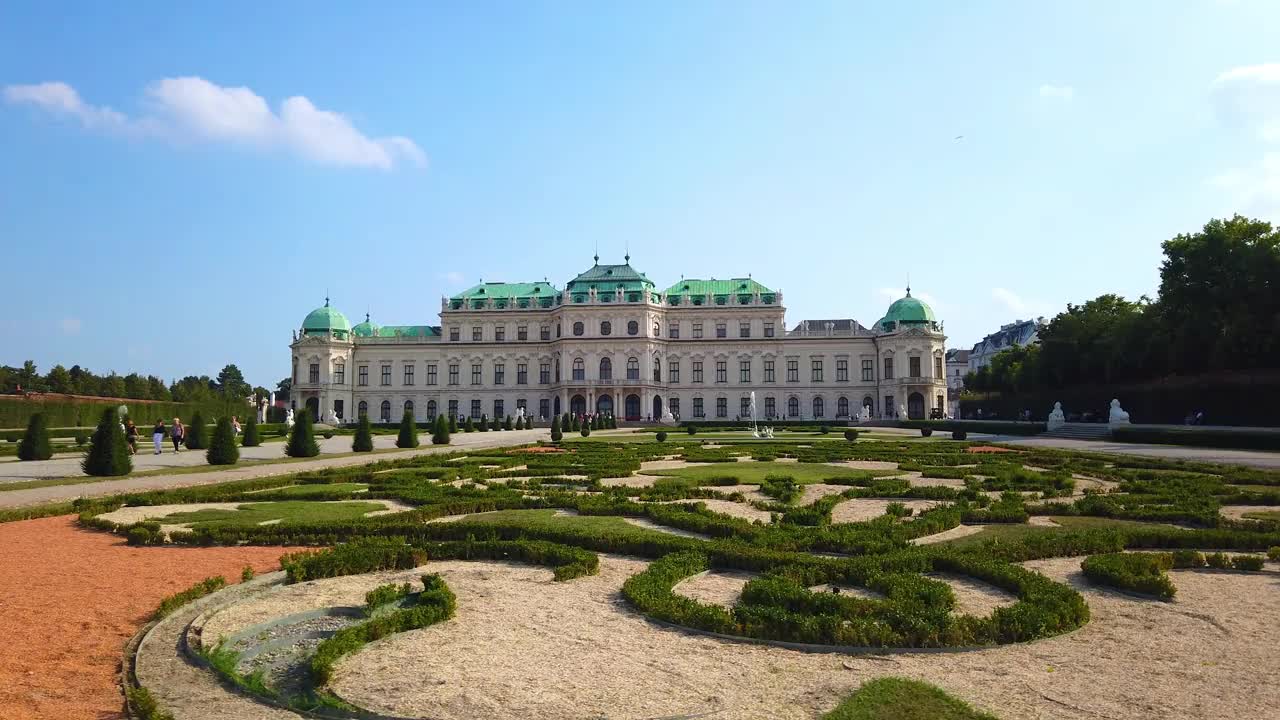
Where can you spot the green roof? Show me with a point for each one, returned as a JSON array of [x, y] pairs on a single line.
[[324, 320], [505, 295], [365, 329], [694, 291], [408, 331], [907, 311], [609, 277]]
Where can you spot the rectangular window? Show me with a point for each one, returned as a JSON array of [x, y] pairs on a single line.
[[768, 371], [545, 332], [544, 374], [431, 374], [363, 375], [744, 329], [408, 374], [673, 331], [339, 374], [499, 373], [673, 371], [522, 374], [770, 407], [793, 371], [476, 378], [697, 372], [522, 332], [722, 330], [913, 364], [453, 334], [888, 406], [313, 375], [744, 407], [453, 374], [498, 412], [744, 371], [768, 329], [386, 374], [453, 408], [697, 408], [544, 408], [500, 333], [476, 333], [888, 368], [522, 404], [842, 370], [722, 371], [697, 331], [815, 370], [868, 367], [674, 406], [722, 407], [937, 367], [475, 408], [939, 401]]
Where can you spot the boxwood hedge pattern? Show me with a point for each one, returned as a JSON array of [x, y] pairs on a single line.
[[915, 611]]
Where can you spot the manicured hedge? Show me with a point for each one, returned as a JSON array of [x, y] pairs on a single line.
[[360, 555], [1243, 438], [993, 427], [1134, 572], [195, 592]]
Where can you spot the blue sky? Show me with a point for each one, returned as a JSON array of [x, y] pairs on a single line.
[[181, 184]]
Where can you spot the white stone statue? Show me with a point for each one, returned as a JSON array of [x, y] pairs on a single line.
[[262, 410], [667, 418], [288, 418], [865, 415], [519, 413], [332, 417], [1056, 418], [902, 410], [1118, 416]]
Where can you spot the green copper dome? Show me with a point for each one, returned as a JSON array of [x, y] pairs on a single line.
[[907, 311], [365, 329], [322, 321]]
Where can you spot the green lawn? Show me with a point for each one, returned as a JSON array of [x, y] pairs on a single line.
[[287, 512], [1015, 531], [752, 473], [317, 492], [893, 698], [610, 525], [1264, 515]]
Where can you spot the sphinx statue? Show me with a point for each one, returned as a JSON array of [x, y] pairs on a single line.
[[1117, 416], [1056, 418]]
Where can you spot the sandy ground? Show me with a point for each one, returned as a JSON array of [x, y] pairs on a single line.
[[632, 481], [1236, 512], [958, 531], [717, 587], [974, 597], [867, 464], [523, 646], [71, 598], [863, 509], [128, 515], [1042, 521], [651, 525], [817, 491]]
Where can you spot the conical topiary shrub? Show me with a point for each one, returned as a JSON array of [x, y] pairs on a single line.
[[506, 424], [495, 424], [251, 438], [470, 425], [556, 433], [440, 434], [363, 441], [408, 437], [197, 434], [453, 423], [35, 443], [565, 422], [302, 438], [222, 448], [519, 423], [484, 423], [108, 451]]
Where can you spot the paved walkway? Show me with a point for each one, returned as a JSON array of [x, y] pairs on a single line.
[[63, 493], [1252, 458]]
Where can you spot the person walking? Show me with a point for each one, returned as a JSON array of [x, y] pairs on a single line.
[[131, 436], [177, 433], [235, 424], [157, 435]]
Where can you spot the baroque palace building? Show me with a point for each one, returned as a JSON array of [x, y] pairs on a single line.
[[611, 343]]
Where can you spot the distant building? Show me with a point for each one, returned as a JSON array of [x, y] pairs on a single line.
[[957, 363], [1018, 332]]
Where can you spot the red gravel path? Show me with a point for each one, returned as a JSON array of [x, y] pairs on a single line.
[[71, 598]]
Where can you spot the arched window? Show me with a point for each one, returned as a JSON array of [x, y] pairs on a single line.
[[606, 327], [408, 406], [633, 327], [432, 409], [793, 407], [655, 330], [385, 411], [577, 328], [362, 409], [818, 408], [579, 369], [606, 369], [657, 369], [633, 369], [842, 407]]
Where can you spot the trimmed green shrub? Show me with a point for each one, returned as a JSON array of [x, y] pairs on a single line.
[[1247, 562], [251, 438], [495, 424], [35, 442], [994, 427], [222, 448], [199, 590], [782, 488], [824, 429], [661, 436], [577, 425], [1218, 561], [302, 439], [470, 425], [506, 424], [1134, 572], [108, 454], [850, 435], [926, 432], [453, 423], [484, 423], [81, 438], [360, 555], [1244, 438], [197, 437], [556, 434], [586, 430], [384, 594], [691, 429], [519, 423], [959, 435], [408, 437], [363, 440], [247, 573], [144, 704], [1273, 553], [440, 434]]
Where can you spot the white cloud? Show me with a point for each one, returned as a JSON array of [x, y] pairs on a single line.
[[70, 326], [192, 108], [1252, 191], [1065, 93], [1025, 309], [1249, 97]]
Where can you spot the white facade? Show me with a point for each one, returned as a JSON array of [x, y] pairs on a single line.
[[626, 350], [1018, 332]]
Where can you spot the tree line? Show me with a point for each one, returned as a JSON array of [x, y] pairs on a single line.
[[1217, 310], [229, 383]]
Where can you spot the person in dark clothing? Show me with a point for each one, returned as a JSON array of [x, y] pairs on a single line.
[[177, 433], [157, 435], [131, 436]]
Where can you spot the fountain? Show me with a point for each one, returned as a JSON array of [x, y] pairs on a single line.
[[765, 433]]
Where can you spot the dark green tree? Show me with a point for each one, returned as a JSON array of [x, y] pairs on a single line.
[[440, 434], [197, 437], [507, 424], [251, 438], [231, 382], [363, 441], [35, 442], [302, 437], [470, 425], [576, 426], [586, 429], [408, 437], [453, 423], [484, 423], [519, 423], [556, 434], [222, 448], [108, 454]]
